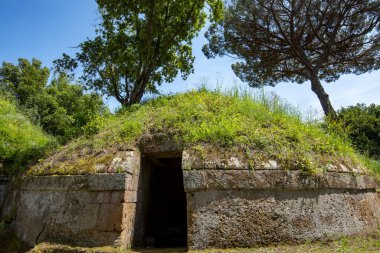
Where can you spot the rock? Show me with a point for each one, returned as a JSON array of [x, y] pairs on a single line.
[[270, 165], [125, 162]]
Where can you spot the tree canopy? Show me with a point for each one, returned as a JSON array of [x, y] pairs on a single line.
[[297, 40], [139, 45], [61, 108]]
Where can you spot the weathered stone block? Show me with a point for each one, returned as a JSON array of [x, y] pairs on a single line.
[[131, 182], [125, 162], [107, 182], [86, 209], [196, 180], [242, 218], [103, 197], [109, 217], [128, 225], [130, 196], [208, 158], [129, 212], [365, 182]]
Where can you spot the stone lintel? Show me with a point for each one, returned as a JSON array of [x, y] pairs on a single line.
[[160, 144]]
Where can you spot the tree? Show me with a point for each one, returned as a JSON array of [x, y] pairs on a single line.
[[362, 124], [24, 80], [81, 107], [298, 40], [139, 45], [61, 108]]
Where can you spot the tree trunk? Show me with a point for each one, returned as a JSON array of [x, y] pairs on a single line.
[[138, 91], [323, 97]]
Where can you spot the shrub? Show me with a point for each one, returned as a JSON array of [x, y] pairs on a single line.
[[21, 142], [362, 124]]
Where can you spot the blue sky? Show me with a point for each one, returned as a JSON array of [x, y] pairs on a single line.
[[44, 29]]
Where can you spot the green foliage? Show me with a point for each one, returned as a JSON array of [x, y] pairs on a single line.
[[21, 142], [374, 166], [62, 109], [24, 80], [362, 124], [93, 126], [259, 123], [296, 41], [139, 45]]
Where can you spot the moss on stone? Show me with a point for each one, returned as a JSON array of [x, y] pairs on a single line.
[[84, 165]]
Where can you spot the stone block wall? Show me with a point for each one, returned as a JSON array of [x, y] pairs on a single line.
[[242, 207], [79, 209], [229, 203], [90, 210]]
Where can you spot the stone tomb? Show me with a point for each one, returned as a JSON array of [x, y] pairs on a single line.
[[178, 199]]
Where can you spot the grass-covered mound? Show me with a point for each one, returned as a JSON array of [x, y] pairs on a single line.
[[21, 142], [270, 128]]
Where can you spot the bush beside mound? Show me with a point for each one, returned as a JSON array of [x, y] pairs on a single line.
[[255, 124], [362, 124], [21, 142]]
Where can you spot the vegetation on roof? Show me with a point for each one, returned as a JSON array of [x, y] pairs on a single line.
[[21, 142], [239, 120]]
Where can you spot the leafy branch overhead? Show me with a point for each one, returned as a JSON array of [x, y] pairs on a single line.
[[296, 40], [139, 45]]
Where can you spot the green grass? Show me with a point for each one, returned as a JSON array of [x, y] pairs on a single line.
[[262, 125], [374, 166], [21, 142]]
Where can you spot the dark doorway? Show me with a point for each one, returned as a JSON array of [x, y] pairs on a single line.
[[166, 221]]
